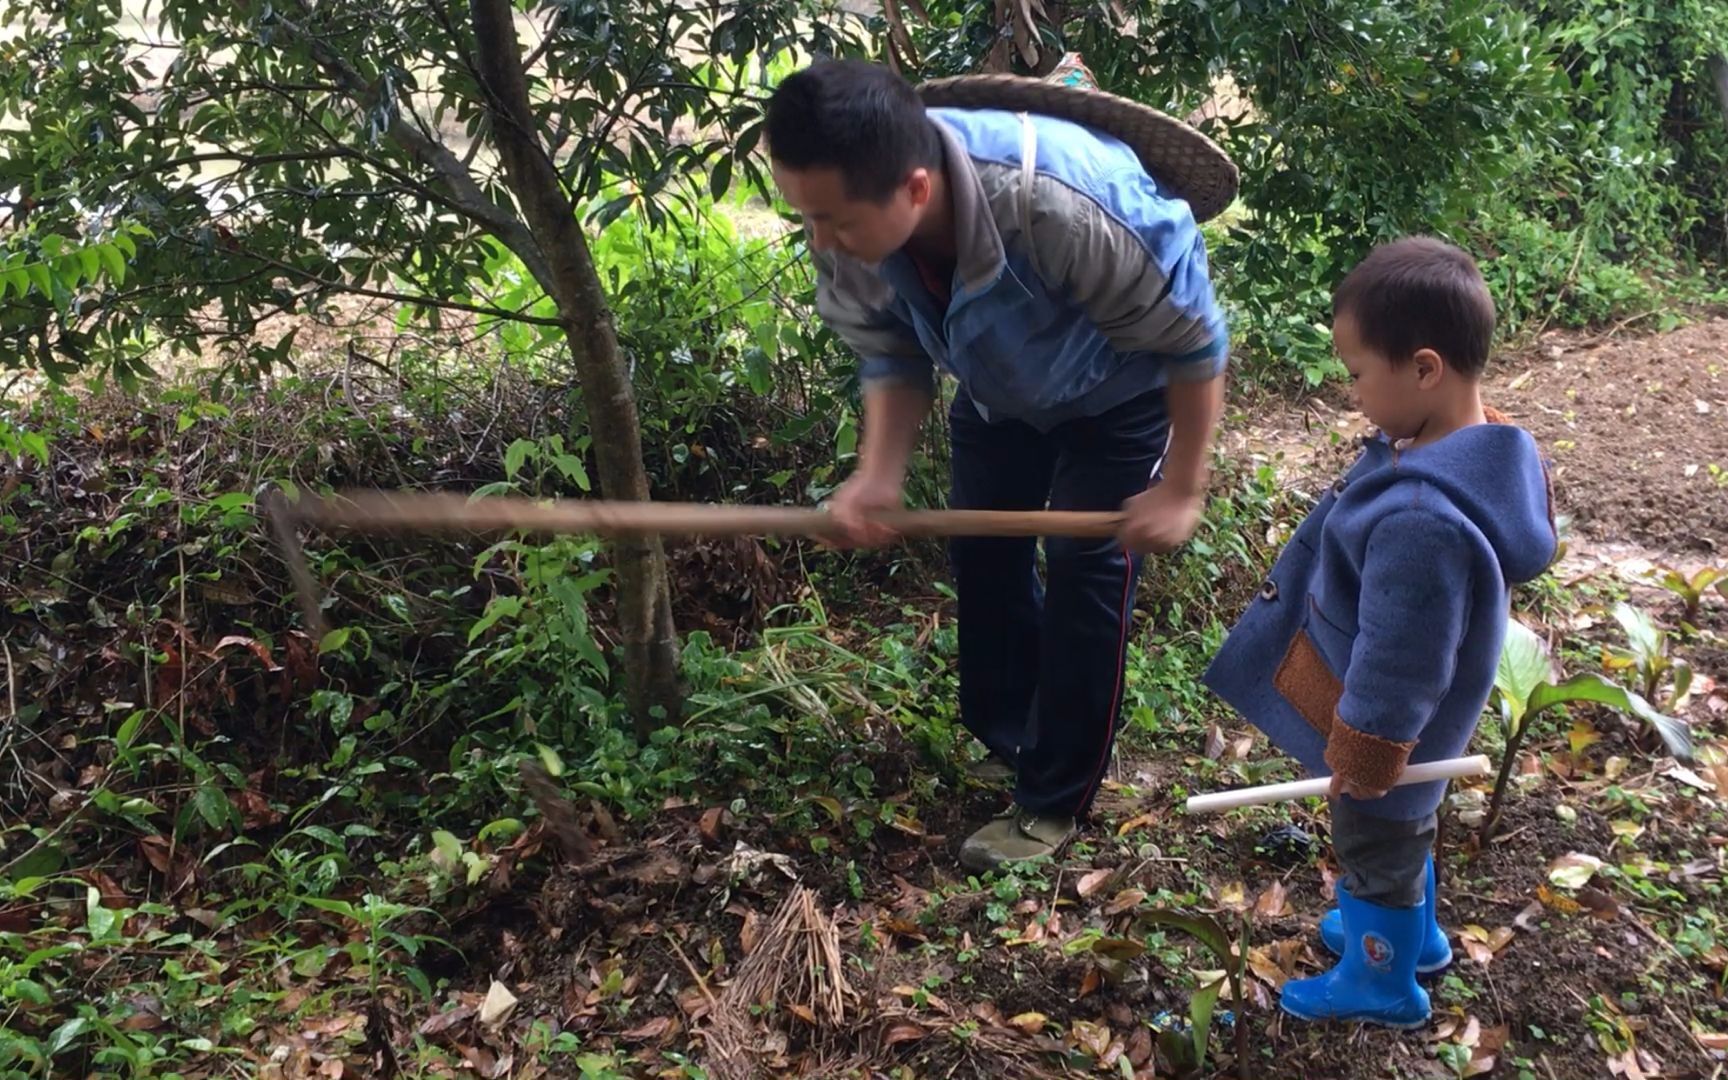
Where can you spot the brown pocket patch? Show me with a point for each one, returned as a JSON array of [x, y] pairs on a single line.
[[1308, 684]]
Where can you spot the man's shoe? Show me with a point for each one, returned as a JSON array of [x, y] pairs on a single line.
[[1436, 954], [1374, 981], [993, 769], [1015, 835]]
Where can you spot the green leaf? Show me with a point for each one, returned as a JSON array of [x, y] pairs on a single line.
[[335, 640], [66, 1034], [89, 262], [41, 277], [573, 469], [19, 280], [757, 370], [1203, 927], [1675, 734], [517, 454], [503, 830], [1524, 666], [213, 806], [128, 732], [113, 262], [721, 178], [499, 607], [448, 846], [550, 761], [1200, 1008], [98, 920], [1646, 639], [35, 444]]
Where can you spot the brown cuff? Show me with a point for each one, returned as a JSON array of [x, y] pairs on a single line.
[[1368, 761]]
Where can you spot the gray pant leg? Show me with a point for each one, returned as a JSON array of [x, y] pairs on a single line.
[[1385, 862]]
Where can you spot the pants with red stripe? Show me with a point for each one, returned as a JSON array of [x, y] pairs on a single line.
[[1041, 659]]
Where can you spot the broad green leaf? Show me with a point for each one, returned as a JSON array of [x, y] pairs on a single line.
[[335, 640], [89, 262], [66, 1034], [41, 277], [517, 454], [1641, 632], [1524, 666], [449, 848], [1203, 927], [97, 919], [213, 806], [1200, 1008], [573, 469], [499, 607], [113, 262], [550, 761], [18, 280], [1675, 734]]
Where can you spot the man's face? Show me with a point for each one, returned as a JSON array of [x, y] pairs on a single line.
[[865, 230]]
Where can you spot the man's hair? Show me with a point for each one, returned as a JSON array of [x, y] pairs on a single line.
[[854, 116], [1420, 293]]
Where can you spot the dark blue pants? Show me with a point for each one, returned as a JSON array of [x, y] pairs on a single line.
[[1041, 662]]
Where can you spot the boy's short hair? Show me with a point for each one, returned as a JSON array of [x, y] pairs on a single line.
[[854, 116], [1420, 293]]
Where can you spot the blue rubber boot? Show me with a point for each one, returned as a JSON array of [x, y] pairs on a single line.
[[1374, 981], [1436, 952]]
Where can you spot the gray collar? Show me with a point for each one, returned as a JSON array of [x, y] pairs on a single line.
[[977, 241]]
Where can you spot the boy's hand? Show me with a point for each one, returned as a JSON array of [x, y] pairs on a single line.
[[1342, 786], [1160, 519], [853, 504]]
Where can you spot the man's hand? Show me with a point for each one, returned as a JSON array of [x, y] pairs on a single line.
[[1160, 519], [855, 502], [1341, 786]]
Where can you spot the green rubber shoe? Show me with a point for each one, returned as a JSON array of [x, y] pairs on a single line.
[[1013, 836]]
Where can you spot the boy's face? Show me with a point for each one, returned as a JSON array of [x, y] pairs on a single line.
[[865, 230], [1391, 395]]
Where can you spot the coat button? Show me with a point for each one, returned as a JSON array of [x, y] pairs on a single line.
[[1338, 486], [1269, 591]]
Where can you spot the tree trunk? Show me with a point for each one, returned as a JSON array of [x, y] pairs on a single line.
[[644, 605], [1718, 67]]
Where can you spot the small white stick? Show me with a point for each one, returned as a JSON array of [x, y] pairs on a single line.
[[1449, 769]]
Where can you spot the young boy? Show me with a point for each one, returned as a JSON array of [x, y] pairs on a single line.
[[1374, 642]]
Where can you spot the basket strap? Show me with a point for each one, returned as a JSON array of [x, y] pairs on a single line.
[[1028, 175]]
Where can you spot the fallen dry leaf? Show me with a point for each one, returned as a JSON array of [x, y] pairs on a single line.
[[1140, 1047], [1030, 1022], [902, 1032], [1090, 982], [1598, 903], [1233, 896], [1091, 1037], [444, 1021], [710, 824], [803, 1012], [1690, 779], [1091, 882], [498, 1004], [1273, 903], [1139, 822], [658, 1028], [750, 934], [1713, 1041], [1573, 871], [1126, 900]]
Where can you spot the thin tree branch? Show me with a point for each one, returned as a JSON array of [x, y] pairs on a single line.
[[468, 195]]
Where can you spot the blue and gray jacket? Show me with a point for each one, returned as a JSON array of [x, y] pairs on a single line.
[[1078, 283]]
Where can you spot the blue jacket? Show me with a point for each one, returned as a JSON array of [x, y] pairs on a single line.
[[1376, 638], [1078, 283]]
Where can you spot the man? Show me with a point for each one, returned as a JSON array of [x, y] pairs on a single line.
[[1070, 300]]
